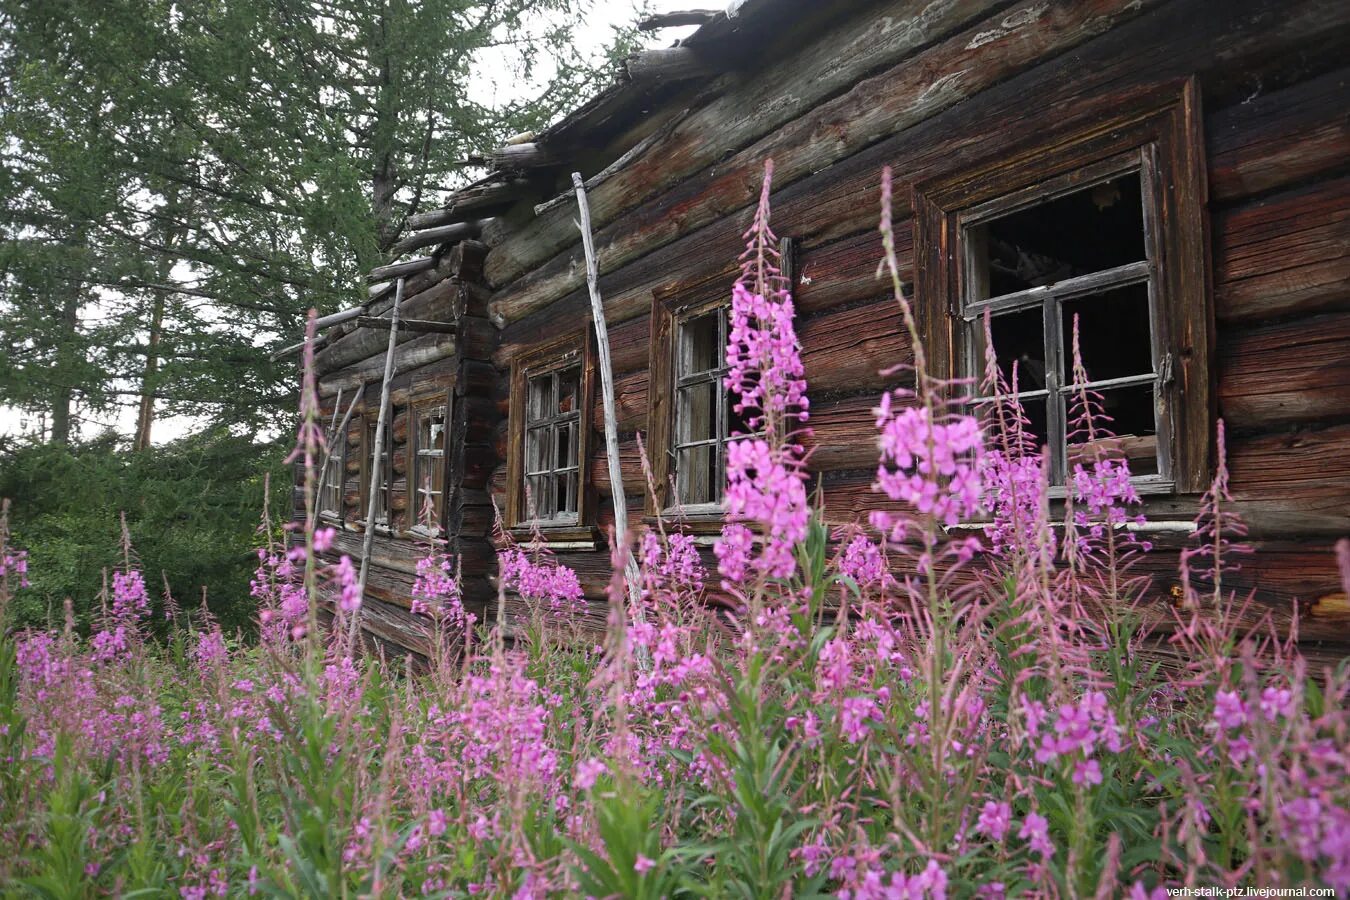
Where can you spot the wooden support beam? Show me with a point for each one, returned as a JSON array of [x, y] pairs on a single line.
[[481, 200], [668, 64], [676, 18], [376, 456], [409, 325], [292, 349], [523, 156], [445, 234], [622, 539], [401, 270], [337, 318]]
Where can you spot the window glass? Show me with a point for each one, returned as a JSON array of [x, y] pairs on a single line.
[[429, 468], [704, 419]]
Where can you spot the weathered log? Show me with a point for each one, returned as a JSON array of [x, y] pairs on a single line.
[[433, 304], [848, 349], [481, 200], [843, 434], [784, 90], [901, 97], [412, 326], [401, 270], [414, 354], [445, 234], [1284, 254], [524, 156], [1281, 138], [1290, 372], [668, 64], [676, 18]]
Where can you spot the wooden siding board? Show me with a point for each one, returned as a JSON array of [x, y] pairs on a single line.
[[1284, 254], [1293, 372]]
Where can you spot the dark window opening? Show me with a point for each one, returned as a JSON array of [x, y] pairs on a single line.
[[1043, 259]]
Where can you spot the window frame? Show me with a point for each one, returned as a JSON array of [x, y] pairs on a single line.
[[338, 459], [418, 411], [575, 349], [368, 426], [668, 317], [1157, 131]]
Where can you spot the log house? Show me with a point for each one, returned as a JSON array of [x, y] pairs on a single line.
[[1174, 172]]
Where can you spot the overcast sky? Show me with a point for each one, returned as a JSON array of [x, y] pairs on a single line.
[[603, 17]]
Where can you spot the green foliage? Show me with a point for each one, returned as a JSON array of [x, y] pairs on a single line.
[[191, 508]]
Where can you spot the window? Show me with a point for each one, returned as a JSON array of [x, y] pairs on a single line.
[[551, 390], [704, 418], [690, 416], [428, 484], [384, 487], [334, 478], [1104, 227]]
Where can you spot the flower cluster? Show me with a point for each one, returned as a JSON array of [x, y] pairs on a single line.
[[934, 466], [541, 582]]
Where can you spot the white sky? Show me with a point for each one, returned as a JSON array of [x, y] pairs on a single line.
[[603, 16]]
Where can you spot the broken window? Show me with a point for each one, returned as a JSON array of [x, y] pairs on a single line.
[[705, 420], [429, 466], [552, 445], [1094, 215], [384, 486], [1073, 248], [334, 478]]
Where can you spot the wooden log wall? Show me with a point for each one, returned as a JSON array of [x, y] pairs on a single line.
[[924, 98]]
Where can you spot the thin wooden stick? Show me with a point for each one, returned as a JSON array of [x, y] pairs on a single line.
[[631, 573], [377, 450]]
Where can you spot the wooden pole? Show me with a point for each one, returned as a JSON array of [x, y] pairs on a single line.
[[377, 451], [631, 573]]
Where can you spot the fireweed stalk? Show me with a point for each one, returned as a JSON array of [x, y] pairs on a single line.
[[777, 742]]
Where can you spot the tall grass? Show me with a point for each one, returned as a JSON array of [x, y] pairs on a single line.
[[910, 708]]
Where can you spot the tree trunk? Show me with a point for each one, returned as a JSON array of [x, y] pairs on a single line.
[[63, 398], [147, 411]]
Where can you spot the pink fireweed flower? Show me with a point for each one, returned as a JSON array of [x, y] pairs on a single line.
[[542, 582], [643, 864], [932, 466], [765, 486], [1036, 832], [995, 819], [436, 592], [733, 552], [1229, 710], [588, 771], [864, 562]]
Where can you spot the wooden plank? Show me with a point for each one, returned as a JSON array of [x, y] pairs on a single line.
[[415, 326], [745, 112], [1287, 373], [845, 270], [1279, 138], [676, 18], [1293, 483], [669, 64], [1284, 254], [843, 434], [847, 349], [885, 103], [476, 200]]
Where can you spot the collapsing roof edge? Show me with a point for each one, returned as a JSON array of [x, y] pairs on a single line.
[[616, 108]]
